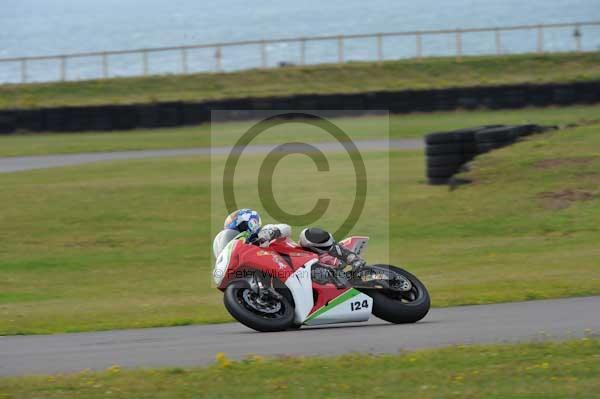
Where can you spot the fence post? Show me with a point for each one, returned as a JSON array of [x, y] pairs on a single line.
[[498, 41], [23, 70], [184, 63], [577, 35], [63, 68], [419, 45], [340, 49], [302, 51], [458, 45], [380, 48], [540, 39], [218, 55], [263, 53], [104, 65], [145, 61]]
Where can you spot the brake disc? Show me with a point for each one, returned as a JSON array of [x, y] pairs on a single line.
[[256, 303], [401, 284]]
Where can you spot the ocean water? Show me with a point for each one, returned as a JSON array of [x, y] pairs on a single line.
[[48, 27]]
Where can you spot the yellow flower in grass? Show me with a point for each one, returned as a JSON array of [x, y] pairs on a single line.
[[114, 369], [222, 360]]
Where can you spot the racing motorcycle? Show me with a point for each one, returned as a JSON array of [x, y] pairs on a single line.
[[284, 286]]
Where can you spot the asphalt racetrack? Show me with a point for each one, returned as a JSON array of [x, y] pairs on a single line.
[[16, 164], [198, 345]]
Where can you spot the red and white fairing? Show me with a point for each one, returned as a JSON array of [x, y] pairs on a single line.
[[314, 303]]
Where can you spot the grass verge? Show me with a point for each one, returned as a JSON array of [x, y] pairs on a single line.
[[351, 77], [536, 370], [361, 128], [126, 244]]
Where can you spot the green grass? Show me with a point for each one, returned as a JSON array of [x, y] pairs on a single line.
[[349, 78], [362, 128], [126, 244], [537, 370]]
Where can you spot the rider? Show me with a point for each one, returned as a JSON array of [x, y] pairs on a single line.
[[246, 223]]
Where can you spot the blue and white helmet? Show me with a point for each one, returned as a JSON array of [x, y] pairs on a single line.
[[243, 220]]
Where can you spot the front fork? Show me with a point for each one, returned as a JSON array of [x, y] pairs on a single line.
[[262, 290]]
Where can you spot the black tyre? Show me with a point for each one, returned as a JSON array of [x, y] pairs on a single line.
[[487, 147], [8, 123], [490, 126], [273, 315], [450, 148], [443, 149], [401, 307], [454, 136], [497, 134], [469, 147], [529, 129], [468, 156], [445, 160], [439, 138], [442, 171], [459, 135]]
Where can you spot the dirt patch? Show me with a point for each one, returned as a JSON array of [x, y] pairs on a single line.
[[583, 122], [562, 199], [556, 162]]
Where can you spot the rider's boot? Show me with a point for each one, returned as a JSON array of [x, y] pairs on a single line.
[[353, 264]]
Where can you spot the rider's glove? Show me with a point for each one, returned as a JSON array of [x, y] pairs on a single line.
[[265, 235]]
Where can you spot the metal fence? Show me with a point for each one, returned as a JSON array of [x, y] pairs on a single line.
[[216, 51]]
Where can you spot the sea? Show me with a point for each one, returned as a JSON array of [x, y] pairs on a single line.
[[54, 27]]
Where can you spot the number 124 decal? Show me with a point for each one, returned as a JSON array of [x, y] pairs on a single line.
[[357, 305]]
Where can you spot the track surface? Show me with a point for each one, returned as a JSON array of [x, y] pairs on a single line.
[[197, 345], [16, 164]]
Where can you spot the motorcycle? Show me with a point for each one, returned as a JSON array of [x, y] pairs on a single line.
[[284, 286]]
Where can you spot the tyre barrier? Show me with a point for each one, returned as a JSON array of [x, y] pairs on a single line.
[[169, 114], [447, 153], [7, 122]]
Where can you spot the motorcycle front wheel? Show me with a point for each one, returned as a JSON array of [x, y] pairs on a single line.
[[400, 306], [260, 314]]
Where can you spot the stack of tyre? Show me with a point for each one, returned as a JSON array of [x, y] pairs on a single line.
[[500, 136], [448, 152]]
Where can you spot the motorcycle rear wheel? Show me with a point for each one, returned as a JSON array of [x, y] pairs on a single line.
[[277, 315], [401, 307]]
